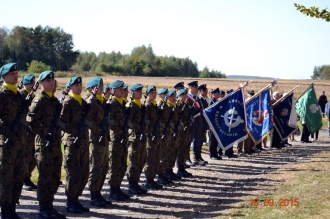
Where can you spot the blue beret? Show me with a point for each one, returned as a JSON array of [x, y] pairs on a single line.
[[202, 87], [193, 84], [222, 92], [46, 74], [116, 84], [229, 91], [171, 92], [1, 80], [94, 82], [179, 85], [125, 87], [8, 68], [74, 80], [135, 87], [162, 91], [251, 92], [215, 91], [182, 91], [151, 88], [27, 79], [105, 88]]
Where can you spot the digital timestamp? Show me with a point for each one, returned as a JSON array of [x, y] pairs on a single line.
[[282, 202]]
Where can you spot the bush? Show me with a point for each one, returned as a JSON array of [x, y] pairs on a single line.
[[37, 67]]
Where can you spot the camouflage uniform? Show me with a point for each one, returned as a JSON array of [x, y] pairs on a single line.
[[30, 161], [153, 150], [76, 155], [49, 159], [12, 153]]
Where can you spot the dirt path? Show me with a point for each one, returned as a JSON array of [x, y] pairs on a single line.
[[214, 189]]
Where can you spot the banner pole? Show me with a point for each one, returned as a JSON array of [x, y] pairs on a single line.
[[304, 91], [267, 87]]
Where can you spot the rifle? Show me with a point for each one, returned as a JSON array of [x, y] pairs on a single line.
[[82, 122], [143, 120], [179, 120], [53, 128], [159, 119], [168, 122], [127, 114], [105, 123], [21, 111]]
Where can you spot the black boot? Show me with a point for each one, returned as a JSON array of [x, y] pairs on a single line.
[[45, 211], [96, 200], [170, 175], [151, 184], [115, 194], [182, 172], [108, 202], [71, 206], [13, 211], [144, 191], [133, 188], [28, 185], [162, 180], [126, 196], [6, 212], [79, 205], [53, 210]]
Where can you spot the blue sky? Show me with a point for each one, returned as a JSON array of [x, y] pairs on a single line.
[[238, 37]]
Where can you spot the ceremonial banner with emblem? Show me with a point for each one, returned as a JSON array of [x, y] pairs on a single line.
[[309, 111], [259, 116], [226, 119], [283, 113]]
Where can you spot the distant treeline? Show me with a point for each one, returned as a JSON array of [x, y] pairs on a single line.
[[53, 47]]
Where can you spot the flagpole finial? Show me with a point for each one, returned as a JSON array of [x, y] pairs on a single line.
[[274, 82]]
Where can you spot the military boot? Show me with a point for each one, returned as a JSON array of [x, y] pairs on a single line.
[[162, 180], [133, 188], [96, 200], [28, 185], [170, 175], [126, 196], [182, 172], [108, 202], [151, 184], [115, 194], [71, 206], [144, 191], [53, 210], [13, 211], [6, 212], [79, 205], [45, 211]]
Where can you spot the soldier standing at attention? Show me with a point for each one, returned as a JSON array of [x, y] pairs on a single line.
[[76, 157], [30, 161], [99, 151], [12, 151], [136, 146], [49, 158], [153, 149]]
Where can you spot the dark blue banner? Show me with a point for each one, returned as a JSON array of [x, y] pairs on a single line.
[[259, 116], [226, 119], [282, 114]]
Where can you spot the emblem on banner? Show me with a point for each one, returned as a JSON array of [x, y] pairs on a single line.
[[259, 116], [232, 119]]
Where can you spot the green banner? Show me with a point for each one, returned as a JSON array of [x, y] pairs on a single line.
[[309, 110]]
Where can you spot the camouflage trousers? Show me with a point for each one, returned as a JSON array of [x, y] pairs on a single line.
[[30, 161], [118, 161], [136, 158], [152, 158], [99, 165], [76, 164], [12, 170], [164, 151], [183, 147], [173, 150], [49, 163]]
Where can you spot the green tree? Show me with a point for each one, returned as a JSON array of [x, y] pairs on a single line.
[[37, 67], [314, 12], [325, 74]]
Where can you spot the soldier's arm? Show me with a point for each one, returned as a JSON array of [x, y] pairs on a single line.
[[65, 117], [35, 114], [135, 111], [116, 115]]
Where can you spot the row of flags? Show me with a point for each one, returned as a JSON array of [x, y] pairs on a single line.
[[232, 118]]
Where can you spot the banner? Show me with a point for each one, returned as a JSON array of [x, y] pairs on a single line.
[[259, 116], [226, 119], [309, 111], [284, 115]]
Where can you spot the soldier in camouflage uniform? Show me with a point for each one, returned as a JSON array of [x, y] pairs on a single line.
[[49, 158], [99, 151], [136, 146], [184, 134], [76, 151], [106, 92], [30, 161], [12, 152], [153, 150], [118, 149]]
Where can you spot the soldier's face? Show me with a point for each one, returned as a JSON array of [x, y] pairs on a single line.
[[193, 90], [125, 93], [48, 84], [11, 77], [107, 93], [183, 97], [204, 93], [137, 94], [29, 86], [216, 95], [162, 96], [119, 92], [100, 89], [152, 95], [171, 98], [76, 88]]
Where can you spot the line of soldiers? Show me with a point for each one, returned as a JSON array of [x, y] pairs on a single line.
[[102, 133]]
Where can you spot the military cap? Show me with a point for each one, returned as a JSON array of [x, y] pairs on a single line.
[[125, 86], [135, 87], [216, 90], [179, 85], [202, 87], [193, 84], [46, 74], [222, 92], [94, 82], [1, 80], [151, 88], [27, 79], [116, 84], [171, 92], [5, 69], [162, 91], [182, 91], [229, 91], [251, 92], [74, 80]]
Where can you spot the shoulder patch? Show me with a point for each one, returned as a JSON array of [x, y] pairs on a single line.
[[36, 100]]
